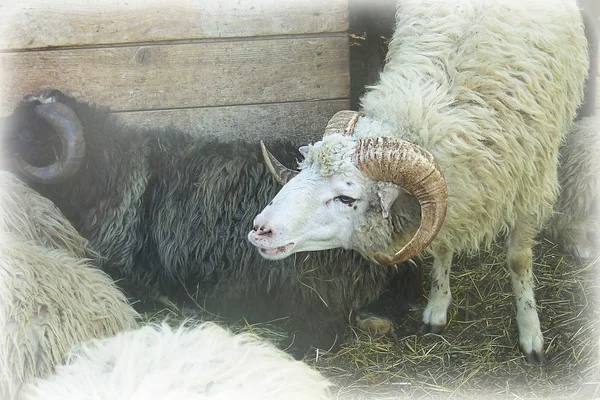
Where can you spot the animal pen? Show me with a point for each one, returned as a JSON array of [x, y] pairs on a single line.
[[262, 69]]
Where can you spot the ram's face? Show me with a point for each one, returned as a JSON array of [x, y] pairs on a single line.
[[319, 208], [346, 192]]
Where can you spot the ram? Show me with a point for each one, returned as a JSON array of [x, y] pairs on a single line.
[[169, 212], [51, 298], [189, 362], [455, 145]]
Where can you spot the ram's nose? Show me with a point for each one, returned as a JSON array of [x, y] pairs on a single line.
[[261, 227]]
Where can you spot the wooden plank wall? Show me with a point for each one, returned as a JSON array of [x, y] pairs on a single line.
[[227, 68]]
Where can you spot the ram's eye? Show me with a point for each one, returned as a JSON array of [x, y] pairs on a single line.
[[346, 200]]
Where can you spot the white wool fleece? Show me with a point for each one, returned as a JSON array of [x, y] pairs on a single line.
[[576, 218], [491, 102], [202, 362], [51, 298]]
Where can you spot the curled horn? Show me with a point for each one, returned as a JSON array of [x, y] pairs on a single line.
[[281, 173], [342, 122], [415, 169], [66, 124]]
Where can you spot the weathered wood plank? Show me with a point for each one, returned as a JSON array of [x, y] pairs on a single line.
[[39, 24], [301, 121], [185, 75]]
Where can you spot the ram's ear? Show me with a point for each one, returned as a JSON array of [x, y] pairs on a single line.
[[387, 197], [303, 150]]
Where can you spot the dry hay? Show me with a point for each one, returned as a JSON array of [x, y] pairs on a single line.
[[477, 356], [175, 317]]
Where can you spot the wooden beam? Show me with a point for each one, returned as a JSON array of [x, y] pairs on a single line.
[[303, 122], [184, 75], [34, 24]]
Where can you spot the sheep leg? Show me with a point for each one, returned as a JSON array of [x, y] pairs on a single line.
[[435, 314], [531, 340]]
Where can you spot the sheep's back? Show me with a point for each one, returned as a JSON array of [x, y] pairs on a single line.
[[490, 88], [195, 362]]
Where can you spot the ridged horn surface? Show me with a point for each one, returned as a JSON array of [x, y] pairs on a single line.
[[280, 172], [415, 169], [342, 122], [66, 124]]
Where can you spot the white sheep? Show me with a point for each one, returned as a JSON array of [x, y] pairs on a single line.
[[30, 217], [51, 298], [202, 362], [576, 219], [465, 123]]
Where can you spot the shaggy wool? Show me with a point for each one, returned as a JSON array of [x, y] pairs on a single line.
[[202, 362], [51, 298]]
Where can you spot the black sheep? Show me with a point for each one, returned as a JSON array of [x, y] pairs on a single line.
[[169, 213]]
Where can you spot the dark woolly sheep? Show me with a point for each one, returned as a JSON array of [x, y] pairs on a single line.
[[169, 213]]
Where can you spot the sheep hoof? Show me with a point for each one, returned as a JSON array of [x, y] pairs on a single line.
[[535, 357], [374, 324], [432, 328], [583, 252]]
